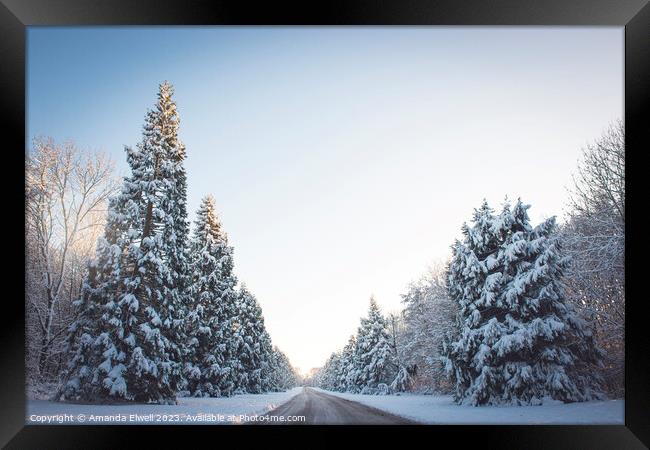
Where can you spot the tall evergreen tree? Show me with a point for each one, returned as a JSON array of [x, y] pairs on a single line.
[[327, 374], [252, 344], [367, 363], [346, 374], [520, 341], [125, 344], [283, 375], [374, 359], [466, 280], [267, 356], [208, 365], [175, 229]]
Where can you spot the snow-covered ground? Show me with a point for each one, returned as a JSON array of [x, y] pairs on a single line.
[[212, 411], [432, 409]]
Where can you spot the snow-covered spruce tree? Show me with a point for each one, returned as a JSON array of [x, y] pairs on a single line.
[[346, 374], [520, 342], [289, 376], [327, 378], [213, 296], [126, 344], [240, 344], [252, 345], [266, 357], [316, 378], [466, 279], [274, 372], [284, 375], [175, 225], [374, 359]]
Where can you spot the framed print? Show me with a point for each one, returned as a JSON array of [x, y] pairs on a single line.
[[407, 217]]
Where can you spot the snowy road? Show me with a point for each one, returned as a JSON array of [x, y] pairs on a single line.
[[320, 408]]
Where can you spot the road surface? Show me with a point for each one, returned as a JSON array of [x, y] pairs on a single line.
[[323, 409]]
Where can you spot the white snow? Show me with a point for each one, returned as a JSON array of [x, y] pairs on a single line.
[[189, 411], [440, 409]]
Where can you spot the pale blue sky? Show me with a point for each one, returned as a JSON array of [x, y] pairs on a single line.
[[343, 159]]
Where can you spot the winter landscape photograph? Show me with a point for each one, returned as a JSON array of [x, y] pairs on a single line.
[[325, 226]]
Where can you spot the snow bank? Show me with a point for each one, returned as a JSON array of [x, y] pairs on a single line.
[[432, 409], [189, 411]]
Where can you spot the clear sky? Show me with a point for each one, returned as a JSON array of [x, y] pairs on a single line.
[[343, 159]]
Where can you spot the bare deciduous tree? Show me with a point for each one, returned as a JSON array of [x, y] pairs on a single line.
[[427, 318], [594, 236], [66, 192]]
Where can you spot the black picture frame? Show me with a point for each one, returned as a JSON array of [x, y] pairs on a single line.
[[16, 15]]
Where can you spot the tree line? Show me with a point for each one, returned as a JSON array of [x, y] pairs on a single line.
[[156, 312], [519, 314]]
